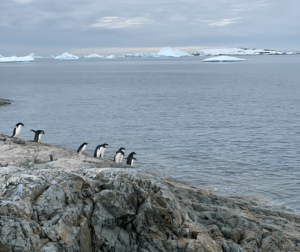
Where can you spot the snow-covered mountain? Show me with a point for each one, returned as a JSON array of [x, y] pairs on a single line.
[[237, 51]]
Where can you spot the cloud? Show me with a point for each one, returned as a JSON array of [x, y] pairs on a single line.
[[224, 22], [117, 22]]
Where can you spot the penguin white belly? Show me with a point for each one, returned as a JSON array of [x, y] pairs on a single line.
[[131, 162], [98, 153], [117, 158], [39, 137], [103, 151], [121, 158], [18, 131], [83, 149]]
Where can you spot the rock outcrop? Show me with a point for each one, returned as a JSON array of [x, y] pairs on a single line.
[[52, 199]]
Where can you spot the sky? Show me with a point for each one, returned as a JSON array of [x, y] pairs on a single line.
[[51, 27]]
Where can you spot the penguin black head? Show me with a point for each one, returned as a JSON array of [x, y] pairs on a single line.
[[18, 124], [105, 145], [122, 149], [85, 143], [42, 132]]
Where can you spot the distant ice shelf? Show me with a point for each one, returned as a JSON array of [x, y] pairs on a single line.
[[223, 59], [93, 56], [165, 52], [109, 57], [16, 59], [66, 56], [238, 51]]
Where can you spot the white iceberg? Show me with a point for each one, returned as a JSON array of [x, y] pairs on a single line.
[[165, 52], [93, 56], [66, 56], [1, 56], [169, 52], [109, 57], [142, 55], [16, 59], [223, 59], [33, 55]]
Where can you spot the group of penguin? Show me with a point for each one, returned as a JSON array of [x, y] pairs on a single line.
[[99, 151]]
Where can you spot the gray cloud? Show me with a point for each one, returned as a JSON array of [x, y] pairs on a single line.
[[53, 26]]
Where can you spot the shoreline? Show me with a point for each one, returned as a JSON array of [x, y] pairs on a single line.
[[4, 102], [61, 200]]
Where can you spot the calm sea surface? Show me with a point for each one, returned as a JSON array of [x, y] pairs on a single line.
[[232, 128]]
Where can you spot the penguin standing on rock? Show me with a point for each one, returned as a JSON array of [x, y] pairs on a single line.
[[119, 155], [81, 148], [38, 134], [97, 151], [102, 151], [130, 158], [17, 130]]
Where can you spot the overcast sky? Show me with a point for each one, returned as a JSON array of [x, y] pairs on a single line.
[[116, 26]]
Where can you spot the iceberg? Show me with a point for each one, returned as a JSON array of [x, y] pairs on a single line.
[[33, 55], [93, 56], [109, 57], [66, 56], [169, 52], [16, 59], [222, 59], [142, 55], [165, 52]]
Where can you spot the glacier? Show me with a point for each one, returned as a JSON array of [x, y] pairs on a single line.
[[16, 59], [66, 56], [93, 56], [222, 59]]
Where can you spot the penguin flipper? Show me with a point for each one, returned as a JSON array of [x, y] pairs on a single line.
[[134, 159], [33, 130]]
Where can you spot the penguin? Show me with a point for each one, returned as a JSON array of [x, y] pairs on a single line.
[[38, 134], [81, 148], [130, 158], [119, 155], [17, 130], [102, 151], [98, 151]]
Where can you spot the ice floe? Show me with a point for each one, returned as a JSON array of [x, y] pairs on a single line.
[[93, 56], [16, 59], [33, 55], [66, 56], [222, 59]]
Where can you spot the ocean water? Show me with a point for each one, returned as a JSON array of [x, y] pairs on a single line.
[[232, 128]]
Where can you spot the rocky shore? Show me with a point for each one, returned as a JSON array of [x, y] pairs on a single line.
[[52, 199], [4, 102]]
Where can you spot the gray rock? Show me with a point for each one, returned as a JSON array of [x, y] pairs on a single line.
[[79, 203]]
